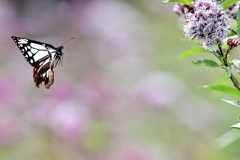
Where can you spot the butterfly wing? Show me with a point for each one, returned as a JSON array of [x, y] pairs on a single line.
[[43, 72], [40, 56], [34, 51]]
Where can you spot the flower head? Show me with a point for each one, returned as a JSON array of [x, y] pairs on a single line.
[[207, 24]]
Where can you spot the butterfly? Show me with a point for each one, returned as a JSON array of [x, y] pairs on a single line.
[[43, 57]]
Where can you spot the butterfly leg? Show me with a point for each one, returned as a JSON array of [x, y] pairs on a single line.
[[50, 56]]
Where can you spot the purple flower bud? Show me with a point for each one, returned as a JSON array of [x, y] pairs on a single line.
[[233, 42]]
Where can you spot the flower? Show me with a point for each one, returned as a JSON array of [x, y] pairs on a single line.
[[207, 24]]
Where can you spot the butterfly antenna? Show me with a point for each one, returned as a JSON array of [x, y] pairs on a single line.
[[64, 38], [67, 40]]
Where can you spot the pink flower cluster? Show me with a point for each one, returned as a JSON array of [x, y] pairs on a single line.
[[207, 24]]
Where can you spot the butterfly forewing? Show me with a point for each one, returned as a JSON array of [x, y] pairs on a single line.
[[34, 51]]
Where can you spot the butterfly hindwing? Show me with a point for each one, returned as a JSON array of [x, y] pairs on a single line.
[[43, 72]]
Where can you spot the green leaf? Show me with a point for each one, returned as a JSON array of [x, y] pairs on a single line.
[[238, 23], [236, 126], [188, 2], [232, 102], [224, 89], [227, 3], [227, 139], [206, 62], [191, 52]]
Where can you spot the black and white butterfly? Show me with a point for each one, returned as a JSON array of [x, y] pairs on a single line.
[[43, 57]]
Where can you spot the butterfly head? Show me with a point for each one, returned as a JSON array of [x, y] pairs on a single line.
[[58, 58], [59, 54]]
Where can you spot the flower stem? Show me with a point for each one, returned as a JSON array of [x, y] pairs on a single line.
[[235, 82], [225, 62]]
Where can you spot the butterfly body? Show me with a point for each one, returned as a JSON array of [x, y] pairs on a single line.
[[43, 57]]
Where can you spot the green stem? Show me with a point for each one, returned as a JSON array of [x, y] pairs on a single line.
[[235, 82], [225, 62]]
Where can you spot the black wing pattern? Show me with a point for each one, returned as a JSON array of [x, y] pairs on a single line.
[[42, 56], [34, 51]]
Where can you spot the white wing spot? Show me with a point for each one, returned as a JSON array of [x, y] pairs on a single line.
[[22, 41], [31, 61], [26, 55], [28, 47], [37, 46], [30, 54], [34, 50], [40, 55]]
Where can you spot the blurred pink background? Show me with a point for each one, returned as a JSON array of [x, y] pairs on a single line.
[[121, 94]]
